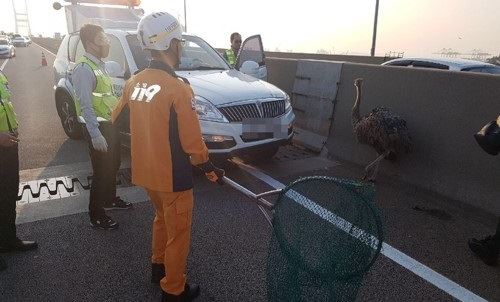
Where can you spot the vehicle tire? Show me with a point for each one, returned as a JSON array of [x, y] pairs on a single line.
[[261, 156], [67, 113]]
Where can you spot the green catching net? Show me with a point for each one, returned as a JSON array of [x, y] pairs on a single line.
[[327, 233]]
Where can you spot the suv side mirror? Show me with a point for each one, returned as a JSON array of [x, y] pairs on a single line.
[[250, 67], [114, 69]]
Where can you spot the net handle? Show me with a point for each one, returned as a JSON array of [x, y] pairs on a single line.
[[259, 198]]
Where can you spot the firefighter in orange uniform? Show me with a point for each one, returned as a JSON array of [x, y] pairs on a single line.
[[165, 142]]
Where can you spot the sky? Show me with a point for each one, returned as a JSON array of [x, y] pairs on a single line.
[[420, 27]]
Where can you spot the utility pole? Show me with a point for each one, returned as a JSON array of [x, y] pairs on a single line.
[[374, 41], [185, 18]]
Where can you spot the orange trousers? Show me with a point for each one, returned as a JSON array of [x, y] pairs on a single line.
[[172, 236]]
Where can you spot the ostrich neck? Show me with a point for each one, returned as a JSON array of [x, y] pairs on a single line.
[[355, 109]]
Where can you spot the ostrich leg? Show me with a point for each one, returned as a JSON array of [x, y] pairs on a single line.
[[372, 164], [375, 172]]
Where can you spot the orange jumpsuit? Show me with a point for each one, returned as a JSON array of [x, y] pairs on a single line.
[[165, 142]]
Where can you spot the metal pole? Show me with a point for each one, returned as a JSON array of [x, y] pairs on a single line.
[[74, 22], [185, 18], [374, 41]]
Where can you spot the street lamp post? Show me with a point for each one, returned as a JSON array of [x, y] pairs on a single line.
[[185, 18], [374, 41]]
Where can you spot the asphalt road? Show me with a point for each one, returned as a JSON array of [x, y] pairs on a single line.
[[230, 236], [229, 249], [42, 138]]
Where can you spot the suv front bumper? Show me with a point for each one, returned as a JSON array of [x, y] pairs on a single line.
[[225, 140]]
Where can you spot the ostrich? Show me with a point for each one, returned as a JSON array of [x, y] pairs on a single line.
[[385, 132]]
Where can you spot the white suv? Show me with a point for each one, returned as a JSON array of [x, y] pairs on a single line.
[[239, 113]]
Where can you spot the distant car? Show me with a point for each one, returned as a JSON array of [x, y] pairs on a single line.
[[28, 39], [446, 64], [20, 41], [7, 50]]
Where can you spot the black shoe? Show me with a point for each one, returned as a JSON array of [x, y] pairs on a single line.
[[104, 223], [486, 249], [18, 245], [3, 265], [118, 204], [191, 291], [157, 272]]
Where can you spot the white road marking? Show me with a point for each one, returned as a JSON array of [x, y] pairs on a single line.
[[334, 219], [453, 289], [3, 64], [45, 49]]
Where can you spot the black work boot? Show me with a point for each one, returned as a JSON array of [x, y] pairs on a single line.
[[3, 264], [191, 291], [157, 272], [18, 245], [486, 249]]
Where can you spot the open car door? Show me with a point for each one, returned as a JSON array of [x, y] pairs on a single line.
[[251, 59]]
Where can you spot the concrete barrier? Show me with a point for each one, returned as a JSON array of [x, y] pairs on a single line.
[[327, 57], [443, 111], [281, 73], [313, 99], [324, 57]]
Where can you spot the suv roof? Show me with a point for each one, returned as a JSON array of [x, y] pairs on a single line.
[[453, 63]]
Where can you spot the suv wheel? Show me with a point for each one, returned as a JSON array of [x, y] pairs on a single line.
[[69, 121]]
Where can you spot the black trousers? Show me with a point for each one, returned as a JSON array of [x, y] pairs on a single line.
[[9, 186], [105, 166]]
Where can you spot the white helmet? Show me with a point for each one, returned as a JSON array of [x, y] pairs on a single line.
[[156, 31]]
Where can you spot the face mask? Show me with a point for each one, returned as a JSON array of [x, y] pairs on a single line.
[[102, 45]]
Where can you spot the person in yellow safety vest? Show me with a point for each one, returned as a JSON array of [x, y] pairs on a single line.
[[232, 53], [9, 175], [166, 142], [95, 100]]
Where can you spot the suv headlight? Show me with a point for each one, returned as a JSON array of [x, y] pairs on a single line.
[[207, 111], [288, 104]]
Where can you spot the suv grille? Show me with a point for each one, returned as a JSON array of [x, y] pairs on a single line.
[[269, 109]]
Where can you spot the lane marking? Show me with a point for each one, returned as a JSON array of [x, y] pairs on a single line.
[[453, 289], [44, 49], [334, 219], [3, 64], [259, 174]]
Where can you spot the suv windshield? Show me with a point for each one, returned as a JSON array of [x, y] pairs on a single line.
[[196, 55]]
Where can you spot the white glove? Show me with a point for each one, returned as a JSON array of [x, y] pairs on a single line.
[[99, 143]]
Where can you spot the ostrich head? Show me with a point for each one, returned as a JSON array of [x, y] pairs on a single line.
[[358, 83]]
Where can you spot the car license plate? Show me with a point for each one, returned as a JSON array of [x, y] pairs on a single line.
[[263, 128]]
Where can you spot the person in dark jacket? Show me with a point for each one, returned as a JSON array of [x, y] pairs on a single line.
[[488, 249]]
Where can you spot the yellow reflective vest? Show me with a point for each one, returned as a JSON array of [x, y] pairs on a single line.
[[103, 98], [8, 120], [231, 57]]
